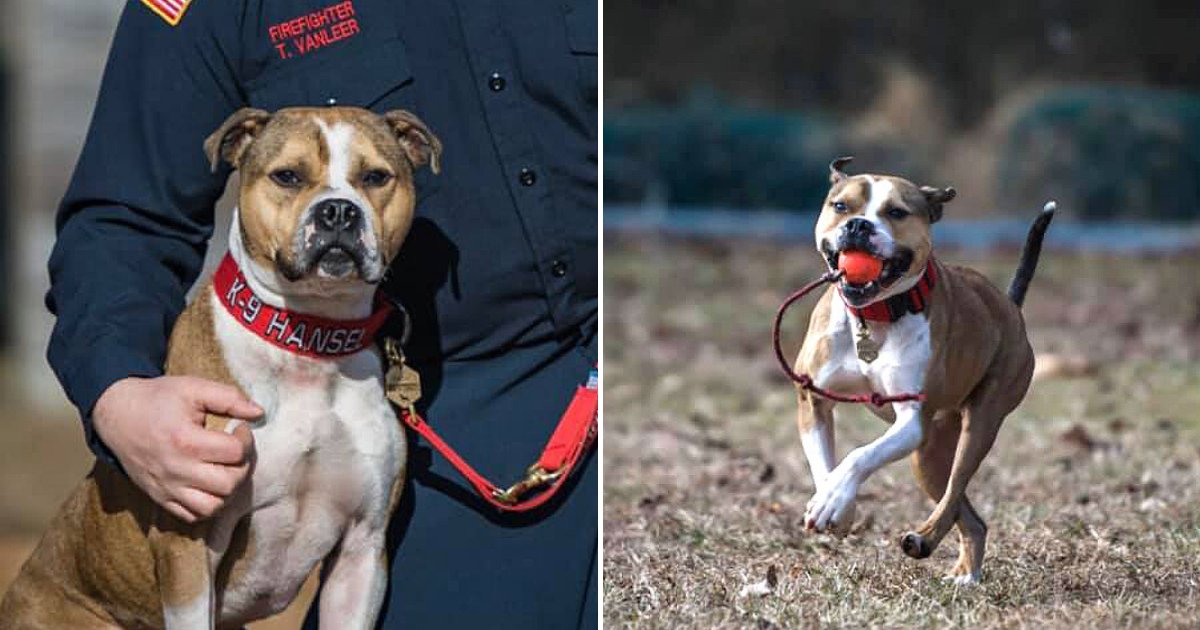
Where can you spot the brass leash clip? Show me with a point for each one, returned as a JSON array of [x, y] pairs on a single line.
[[535, 477], [401, 383]]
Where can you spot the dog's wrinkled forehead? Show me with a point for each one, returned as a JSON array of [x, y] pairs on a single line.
[[876, 194], [338, 140], [882, 196], [253, 140]]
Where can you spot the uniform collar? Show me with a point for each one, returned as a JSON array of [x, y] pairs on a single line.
[[298, 333], [914, 300]]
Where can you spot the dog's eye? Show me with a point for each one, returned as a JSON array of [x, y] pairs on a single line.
[[286, 177], [897, 213], [375, 178], [839, 206]]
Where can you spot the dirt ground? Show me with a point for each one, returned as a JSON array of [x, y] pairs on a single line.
[[1091, 492]]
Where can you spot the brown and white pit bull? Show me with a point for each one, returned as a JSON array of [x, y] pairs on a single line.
[[326, 200], [922, 326]]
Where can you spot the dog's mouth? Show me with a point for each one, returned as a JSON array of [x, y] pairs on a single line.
[[328, 258], [337, 262], [894, 268]]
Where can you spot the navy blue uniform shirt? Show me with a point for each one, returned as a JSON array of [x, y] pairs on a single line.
[[499, 271]]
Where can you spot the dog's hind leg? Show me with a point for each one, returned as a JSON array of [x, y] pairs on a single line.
[[980, 425], [931, 466], [972, 541]]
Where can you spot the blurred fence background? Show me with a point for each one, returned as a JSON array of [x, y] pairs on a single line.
[[743, 105], [52, 58]]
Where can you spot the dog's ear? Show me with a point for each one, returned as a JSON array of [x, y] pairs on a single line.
[[936, 197], [418, 142], [230, 141], [835, 169]]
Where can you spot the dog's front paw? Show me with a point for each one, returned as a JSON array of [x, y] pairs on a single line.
[[831, 510]]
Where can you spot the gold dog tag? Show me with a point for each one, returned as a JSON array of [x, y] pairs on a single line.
[[401, 383], [867, 348]]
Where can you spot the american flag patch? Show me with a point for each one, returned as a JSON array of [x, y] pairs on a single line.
[[169, 10]]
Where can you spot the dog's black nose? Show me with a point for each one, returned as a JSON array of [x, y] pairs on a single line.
[[859, 227], [338, 215]]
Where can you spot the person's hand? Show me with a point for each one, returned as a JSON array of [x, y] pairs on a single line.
[[155, 427]]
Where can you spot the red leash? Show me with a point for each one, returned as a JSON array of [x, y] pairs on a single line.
[[576, 431], [806, 381]]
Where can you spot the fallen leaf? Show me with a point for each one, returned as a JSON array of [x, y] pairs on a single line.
[[1079, 437], [1053, 365], [757, 589]]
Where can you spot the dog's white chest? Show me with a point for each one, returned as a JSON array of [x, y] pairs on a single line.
[[327, 456], [904, 350]]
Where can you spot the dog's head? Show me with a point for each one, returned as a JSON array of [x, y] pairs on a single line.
[[885, 216], [326, 193]]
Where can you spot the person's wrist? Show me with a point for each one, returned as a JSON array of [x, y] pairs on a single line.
[[102, 416]]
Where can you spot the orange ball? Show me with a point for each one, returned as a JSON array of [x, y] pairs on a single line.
[[860, 267]]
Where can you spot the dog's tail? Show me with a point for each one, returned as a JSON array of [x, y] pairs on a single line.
[[1029, 255]]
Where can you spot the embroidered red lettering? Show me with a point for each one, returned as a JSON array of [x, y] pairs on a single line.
[[353, 340], [313, 31], [316, 342], [278, 325], [234, 290], [297, 337], [336, 340], [308, 335], [250, 311]]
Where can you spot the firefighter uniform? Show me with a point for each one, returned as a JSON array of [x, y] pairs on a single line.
[[499, 272]]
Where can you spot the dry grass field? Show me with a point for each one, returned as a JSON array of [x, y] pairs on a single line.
[[1092, 492]]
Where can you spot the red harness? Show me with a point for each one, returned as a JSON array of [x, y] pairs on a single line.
[[323, 338]]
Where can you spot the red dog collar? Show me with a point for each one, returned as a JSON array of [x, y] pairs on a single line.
[[913, 300], [307, 335]]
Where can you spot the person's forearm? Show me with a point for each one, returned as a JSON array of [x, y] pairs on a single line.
[[136, 218], [118, 280]]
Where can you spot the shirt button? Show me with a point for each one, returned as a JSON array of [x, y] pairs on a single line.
[[496, 82], [558, 268], [527, 177]]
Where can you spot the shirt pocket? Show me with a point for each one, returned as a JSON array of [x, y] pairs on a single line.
[[583, 35], [361, 76]]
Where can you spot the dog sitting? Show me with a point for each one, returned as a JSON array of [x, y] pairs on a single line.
[[326, 200], [920, 326]]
